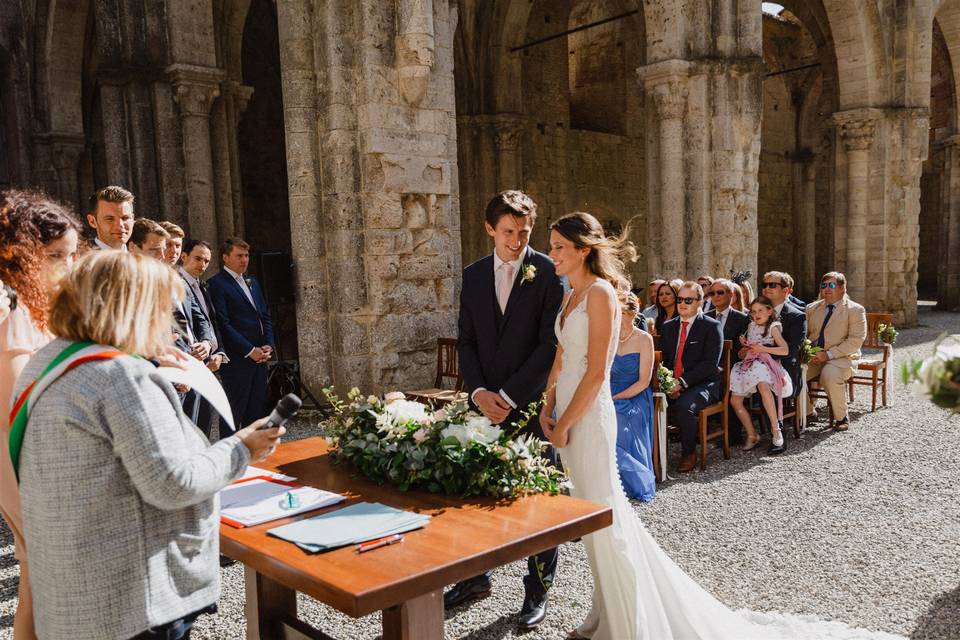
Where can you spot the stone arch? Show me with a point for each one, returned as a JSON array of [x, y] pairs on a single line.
[[947, 20], [862, 68]]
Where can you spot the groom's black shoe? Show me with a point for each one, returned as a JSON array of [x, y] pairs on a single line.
[[467, 591], [534, 610]]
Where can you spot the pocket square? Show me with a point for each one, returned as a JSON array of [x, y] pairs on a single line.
[[693, 342]]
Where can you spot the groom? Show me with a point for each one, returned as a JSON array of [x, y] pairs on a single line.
[[508, 307]]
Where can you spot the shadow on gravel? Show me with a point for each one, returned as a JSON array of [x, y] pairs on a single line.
[[942, 619], [499, 628]]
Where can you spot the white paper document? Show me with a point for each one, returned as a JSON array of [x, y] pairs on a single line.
[[201, 380], [253, 502], [253, 472]]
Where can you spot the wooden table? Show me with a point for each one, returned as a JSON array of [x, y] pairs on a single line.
[[406, 580]]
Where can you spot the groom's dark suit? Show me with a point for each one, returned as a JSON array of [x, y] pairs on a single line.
[[512, 352]]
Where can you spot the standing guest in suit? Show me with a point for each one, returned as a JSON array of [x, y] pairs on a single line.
[[111, 217], [174, 246], [133, 552], [247, 333], [196, 259], [148, 238], [691, 345], [838, 325], [39, 240], [734, 324], [508, 306]]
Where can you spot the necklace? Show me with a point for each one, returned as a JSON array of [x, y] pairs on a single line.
[[629, 335]]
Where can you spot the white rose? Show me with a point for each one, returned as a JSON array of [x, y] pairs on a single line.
[[404, 411], [458, 431]]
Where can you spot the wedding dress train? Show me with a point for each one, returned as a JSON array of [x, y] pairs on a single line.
[[639, 592]]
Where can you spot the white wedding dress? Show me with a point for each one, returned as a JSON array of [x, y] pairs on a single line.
[[639, 592]]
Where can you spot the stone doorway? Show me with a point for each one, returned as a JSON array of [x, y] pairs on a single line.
[[265, 222]]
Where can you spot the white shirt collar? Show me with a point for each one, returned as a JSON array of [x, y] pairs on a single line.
[[691, 320], [189, 278], [779, 308], [103, 245], [234, 274], [497, 262]]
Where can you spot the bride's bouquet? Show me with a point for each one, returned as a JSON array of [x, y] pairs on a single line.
[[938, 376], [452, 451]]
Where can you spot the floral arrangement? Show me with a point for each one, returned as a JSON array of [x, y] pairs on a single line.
[[808, 350], [887, 333], [665, 379], [938, 376], [529, 272], [452, 451]]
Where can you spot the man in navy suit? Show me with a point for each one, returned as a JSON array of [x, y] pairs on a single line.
[[247, 334], [734, 324], [508, 307], [691, 345], [778, 286]]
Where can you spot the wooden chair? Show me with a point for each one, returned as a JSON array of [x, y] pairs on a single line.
[[875, 369], [448, 371], [717, 408], [791, 409], [816, 393]]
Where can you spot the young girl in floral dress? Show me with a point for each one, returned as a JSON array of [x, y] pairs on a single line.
[[760, 371]]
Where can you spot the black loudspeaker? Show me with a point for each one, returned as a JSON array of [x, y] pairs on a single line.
[[276, 276]]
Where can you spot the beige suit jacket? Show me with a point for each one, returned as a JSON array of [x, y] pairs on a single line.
[[845, 332]]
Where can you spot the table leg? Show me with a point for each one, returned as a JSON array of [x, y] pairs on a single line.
[[420, 618], [268, 604]]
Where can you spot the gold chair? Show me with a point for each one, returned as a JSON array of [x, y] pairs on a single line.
[[875, 375]]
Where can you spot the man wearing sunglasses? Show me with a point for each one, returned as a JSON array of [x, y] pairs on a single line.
[[778, 286], [838, 325], [691, 345]]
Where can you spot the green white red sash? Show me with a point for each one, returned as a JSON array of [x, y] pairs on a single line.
[[74, 355]]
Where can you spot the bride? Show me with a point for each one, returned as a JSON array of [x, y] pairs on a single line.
[[639, 592]]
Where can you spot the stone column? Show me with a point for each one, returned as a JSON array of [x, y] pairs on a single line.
[[666, 85], [856, 130], [67, 149], [948, 273], [234, 97], [508, 134], [805, 223], [116, 145], [195, 89], [415, 48]]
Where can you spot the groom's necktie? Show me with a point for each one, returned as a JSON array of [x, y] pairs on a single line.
[[506, 284]]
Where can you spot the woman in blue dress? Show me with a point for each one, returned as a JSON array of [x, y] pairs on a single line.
[[630, 384]]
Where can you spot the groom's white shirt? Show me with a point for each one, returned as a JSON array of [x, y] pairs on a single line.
[[498, 276]]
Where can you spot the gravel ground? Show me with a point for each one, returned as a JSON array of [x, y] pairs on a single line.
[[861, 527]]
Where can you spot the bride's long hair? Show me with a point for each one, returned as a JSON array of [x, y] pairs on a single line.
[[608, 255]]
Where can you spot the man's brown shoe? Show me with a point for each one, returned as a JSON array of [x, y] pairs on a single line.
[[842, 425], [687, 463]]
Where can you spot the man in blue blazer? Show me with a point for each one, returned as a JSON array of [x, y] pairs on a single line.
[[247, 334], [699, 342], [506, 344]]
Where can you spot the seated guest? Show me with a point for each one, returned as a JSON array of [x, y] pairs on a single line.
[[778, 286], [633, 398], [705, 282], [666, 306], [838, 325], [110, 214], [691, 345], [734, 323], [758, 370], [796, 302], [650, 311], [39, 239], [133, 552], [174, 246], [742, 296], [148, 238]]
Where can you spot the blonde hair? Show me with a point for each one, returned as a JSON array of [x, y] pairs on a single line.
[[629, 303], [608, 254], [120, 299], [742, 295]]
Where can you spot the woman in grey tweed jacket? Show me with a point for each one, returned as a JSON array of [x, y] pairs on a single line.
[[119, 488]]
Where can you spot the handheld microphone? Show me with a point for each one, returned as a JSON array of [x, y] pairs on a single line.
[[288, 407]]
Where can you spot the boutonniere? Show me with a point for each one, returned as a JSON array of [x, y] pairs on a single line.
[[249, 281], [529, 273]]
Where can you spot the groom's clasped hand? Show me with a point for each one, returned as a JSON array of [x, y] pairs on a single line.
[[492, 405]]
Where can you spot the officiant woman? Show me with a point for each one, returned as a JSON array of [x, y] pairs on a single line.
[[118, 487]]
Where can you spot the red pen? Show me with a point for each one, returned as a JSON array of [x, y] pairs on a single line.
[[380, 542]]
